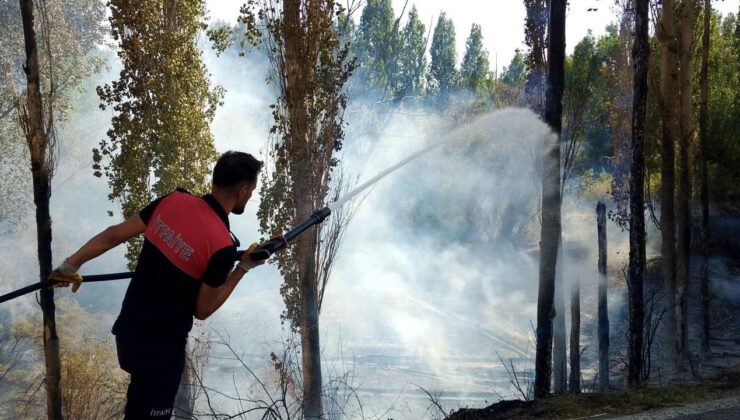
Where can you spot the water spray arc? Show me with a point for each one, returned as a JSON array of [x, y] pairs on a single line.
[[266, 249], [273, 245]]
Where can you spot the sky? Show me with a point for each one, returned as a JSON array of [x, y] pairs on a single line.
[[501, 20]]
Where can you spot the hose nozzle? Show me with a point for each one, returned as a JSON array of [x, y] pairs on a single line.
[[273, 245]]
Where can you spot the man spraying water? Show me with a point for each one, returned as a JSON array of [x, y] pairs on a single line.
[[185, 270]]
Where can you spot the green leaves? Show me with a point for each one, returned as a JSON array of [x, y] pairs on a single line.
[[515, 73], [443, 74], [412, 62], [724, 108], [163, 105], [377, 44], [310, 67], [68, 36], [474, 71]]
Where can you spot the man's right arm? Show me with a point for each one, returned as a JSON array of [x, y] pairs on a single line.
[[214, 290], [108, 239]]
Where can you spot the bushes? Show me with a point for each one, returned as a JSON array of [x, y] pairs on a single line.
[[93, 387]]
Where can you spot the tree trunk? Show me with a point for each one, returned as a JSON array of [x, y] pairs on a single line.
[[296, 93], [704, 182], [683, 211], [559, 348], [640, 56], [669, 80], [574, 385], [41, 165], [550, 231], [309, 326], [184, 399], [603, 308], [310, 344]]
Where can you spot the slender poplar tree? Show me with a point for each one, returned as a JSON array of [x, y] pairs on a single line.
[[163, 104], [310, 66], [636, 270], [550, 231]]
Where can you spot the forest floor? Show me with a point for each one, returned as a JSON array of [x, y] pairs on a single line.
[[707, 387], [716, 397]]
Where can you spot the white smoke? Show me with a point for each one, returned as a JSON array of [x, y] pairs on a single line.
[[438, 272]]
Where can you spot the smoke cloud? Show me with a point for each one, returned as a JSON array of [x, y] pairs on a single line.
[[438, 271]]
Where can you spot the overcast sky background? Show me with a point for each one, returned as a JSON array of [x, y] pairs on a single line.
[[502, 21]]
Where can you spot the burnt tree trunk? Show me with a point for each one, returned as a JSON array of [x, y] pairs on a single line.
[[666, 32], [559, 347], [32, 117], [703, 176], [640, 56], [683, 210], [550, 231], [574, 385], [603, 322]]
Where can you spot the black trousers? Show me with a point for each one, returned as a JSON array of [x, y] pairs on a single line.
[[155, 365]]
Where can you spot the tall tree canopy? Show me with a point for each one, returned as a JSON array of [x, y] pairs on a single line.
[[515, 73], [580, 110], [443, 73], [377, 44], [535, 28], [412, 60], [67, 54], [163, 104], [310, 67], [474, 71], [723, 122]]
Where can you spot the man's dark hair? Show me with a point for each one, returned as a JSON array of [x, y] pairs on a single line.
[[233, 168]]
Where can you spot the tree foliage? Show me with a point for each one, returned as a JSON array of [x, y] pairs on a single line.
[[723, 122], [579, 103], [443, 73], [311, 141], [67, 45], [377, 45], [163, 104], [412, 60], [309, 66], [535, 28], [475, 74], [515, 73]]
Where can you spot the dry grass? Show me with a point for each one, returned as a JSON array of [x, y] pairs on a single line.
[[92, 384], [93, 387]]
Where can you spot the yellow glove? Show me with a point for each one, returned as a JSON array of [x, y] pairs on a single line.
[[66, 274], [245, 262]]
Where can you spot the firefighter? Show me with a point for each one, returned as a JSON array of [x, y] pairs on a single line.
[[185, 270]]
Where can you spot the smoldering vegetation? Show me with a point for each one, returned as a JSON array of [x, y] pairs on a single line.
[[437, 274], [438, 270], [434, 289]]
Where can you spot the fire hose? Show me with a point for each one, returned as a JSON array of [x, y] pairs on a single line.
[[267, 248], [263, 252]]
